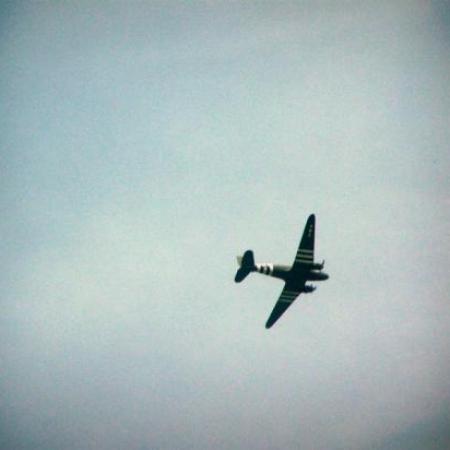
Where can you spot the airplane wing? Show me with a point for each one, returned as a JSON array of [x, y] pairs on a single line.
[[287, 297], [305, 252]]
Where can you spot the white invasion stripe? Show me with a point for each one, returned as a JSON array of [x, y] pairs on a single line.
[[291, 296], [304, 257], [305, 250], [287, 297], [286, 300], [266, 269], [304, 260], [290, 292]]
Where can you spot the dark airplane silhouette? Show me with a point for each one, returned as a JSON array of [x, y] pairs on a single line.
[[302, 270]]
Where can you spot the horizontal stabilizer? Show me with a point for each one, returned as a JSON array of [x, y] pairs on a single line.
[[248, 260], [241, 274]]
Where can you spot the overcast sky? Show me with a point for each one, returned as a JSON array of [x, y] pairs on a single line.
[[145, 145]]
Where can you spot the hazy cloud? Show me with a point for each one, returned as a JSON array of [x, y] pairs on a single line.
[[145, 146]]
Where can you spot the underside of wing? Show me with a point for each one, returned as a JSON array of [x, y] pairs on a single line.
[[305, 252], [287, 297]]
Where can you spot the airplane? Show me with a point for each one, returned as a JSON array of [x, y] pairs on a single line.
[[295, 277]]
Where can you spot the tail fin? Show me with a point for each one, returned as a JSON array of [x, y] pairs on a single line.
[[247, 265]]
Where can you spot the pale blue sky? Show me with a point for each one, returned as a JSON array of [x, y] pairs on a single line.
[[145, 145]]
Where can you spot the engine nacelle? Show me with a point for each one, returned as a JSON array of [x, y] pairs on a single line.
[[309, 288]]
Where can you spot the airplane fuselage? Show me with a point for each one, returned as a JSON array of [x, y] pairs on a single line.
[[288, 273]]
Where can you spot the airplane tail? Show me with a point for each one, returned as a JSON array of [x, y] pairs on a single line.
[[247, 265]]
